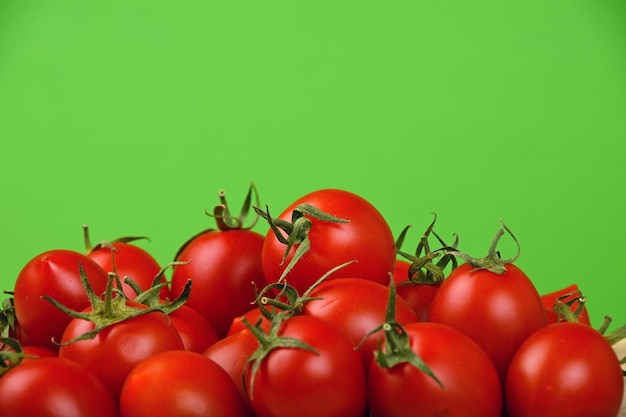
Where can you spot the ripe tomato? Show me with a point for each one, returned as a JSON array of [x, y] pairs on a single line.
[[471, 387], [564, 369], [356, 306], [126, 259], [116, 349], [496, 305], [56, 274], [194, 329], [569, 295], [366, 238], [418, 296], [181, 384], [54, 387], [329, 381]]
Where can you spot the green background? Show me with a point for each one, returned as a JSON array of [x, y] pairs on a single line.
[[130, 116]]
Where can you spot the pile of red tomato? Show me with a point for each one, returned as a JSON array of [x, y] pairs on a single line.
[[324, 316]]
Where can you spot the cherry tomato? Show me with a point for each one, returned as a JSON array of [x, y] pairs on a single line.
[[54, 387], [470, 383], [356, 306], [116, 349], [329, 381], [418, 296], [569, 295], [181, 384], [56, 274], [126, 259], [564, 370], [193, 328], [366, 237]]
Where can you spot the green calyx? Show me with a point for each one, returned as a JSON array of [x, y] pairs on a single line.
[[267, 343], [113, 308], [492, 262], [11, 354], [397, 345], [227, 221], [105, 243], [297, 230], [423, 270]]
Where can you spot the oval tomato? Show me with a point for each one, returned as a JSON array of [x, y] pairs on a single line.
[[55, 273], [116, 349], [471, 387], [329, 381], [181, 384], [564, 370], [54, 387], [366, 237]]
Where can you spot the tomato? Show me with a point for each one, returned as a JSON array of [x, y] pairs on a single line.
[[253, 315], [418, 296], [54, 273], [564, 369], [298, 382], [126, 259], [496, 305], [223, 265], [194, 329], [181, 384], [471, 386], [116, 349], [569, 295], [232, 353], [356, 306], [54, 387], [365, 237]]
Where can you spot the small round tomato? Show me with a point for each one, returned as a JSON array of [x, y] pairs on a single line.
[[470, 386], [565, 369], [181, 384], [356, 306], [116, 349], [54, 387], [569, 295], [56, 274], [360, 233], [324, 379], [193, 328], [419, 296]]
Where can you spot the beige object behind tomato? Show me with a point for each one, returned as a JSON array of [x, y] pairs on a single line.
[[620, 349]]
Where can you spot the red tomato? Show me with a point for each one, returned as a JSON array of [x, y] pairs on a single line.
[[56, 274], [300, 383], [127, 260], [564, 370], [418, 296], [471, 387], [356, 306], [569, 294], [222, 266], [366, 238], [232, 353], [181, 384], [252, 315], [115, 350], [497, 311], [194, 330], [54, 387]]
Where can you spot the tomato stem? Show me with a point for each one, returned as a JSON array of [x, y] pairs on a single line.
[[226, 221]]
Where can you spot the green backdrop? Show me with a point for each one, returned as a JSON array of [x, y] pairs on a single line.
[[130, 116]]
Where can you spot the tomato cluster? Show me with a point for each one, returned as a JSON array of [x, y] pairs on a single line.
[[325, 315]]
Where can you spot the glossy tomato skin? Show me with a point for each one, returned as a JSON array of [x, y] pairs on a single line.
[[564, 369], [181, 384], [418, 296], [367, 238], [222, 266], [232, 353], [113, 352], [471, 383], [549, 299], [54, 273], [54, 387], [299, 383], [357, 306], [195, 331], [130, 261], [497, 311]]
